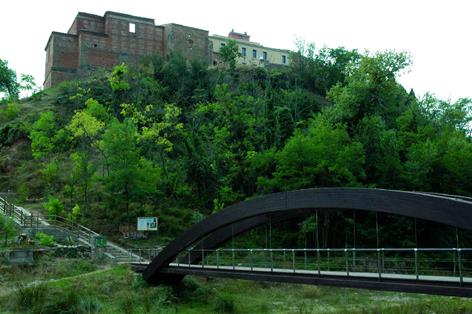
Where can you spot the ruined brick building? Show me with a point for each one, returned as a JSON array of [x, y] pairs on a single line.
[[95, 41]]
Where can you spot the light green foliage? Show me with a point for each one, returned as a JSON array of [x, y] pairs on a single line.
[[54, 206], [76, 212], [42, 135], [160, 132], [229, 53], [10, 112], [118, 78], [45, 239], [85, 125]]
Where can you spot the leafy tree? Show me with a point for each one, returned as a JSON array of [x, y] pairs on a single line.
[[230, 53], [54, 206], [8, 82], [42, 135], [131, 178], [371, 89], [323, 156], [118, 78]]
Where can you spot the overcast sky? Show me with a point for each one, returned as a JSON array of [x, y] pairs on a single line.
[[438, 34]]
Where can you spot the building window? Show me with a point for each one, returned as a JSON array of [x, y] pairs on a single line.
[[254, 53], [284, 59], [243, 52], [132, 28], [222, 45], [264, 55]]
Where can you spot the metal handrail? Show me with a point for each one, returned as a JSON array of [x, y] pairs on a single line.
[[24, 218], [333, 250]]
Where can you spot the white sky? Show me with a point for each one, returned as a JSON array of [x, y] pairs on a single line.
[[436, 33]]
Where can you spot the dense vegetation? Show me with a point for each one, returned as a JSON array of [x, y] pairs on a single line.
[[176, 139]]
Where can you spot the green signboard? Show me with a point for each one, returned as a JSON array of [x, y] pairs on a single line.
[[100, 241]]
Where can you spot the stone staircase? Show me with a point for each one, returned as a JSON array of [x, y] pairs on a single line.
[[60, 227]]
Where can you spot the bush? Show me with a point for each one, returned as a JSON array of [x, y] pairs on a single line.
[[224, 304], [31, 297], [6, 226], [54, 206], [11, 112], [89, 305], [45, 239], [127, 303], [23, 193]]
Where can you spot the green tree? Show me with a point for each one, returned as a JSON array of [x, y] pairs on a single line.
[[371, 89], [118, 78], [8, 82], [42, 135], [54, 206], [230, 53], [131, 179], [323, 156]]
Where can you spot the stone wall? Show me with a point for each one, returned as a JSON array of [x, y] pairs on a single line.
[[192, 43]]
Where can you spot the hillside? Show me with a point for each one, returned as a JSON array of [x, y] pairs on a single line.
[[180, 141]]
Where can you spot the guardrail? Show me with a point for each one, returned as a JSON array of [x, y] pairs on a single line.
[[413, 262]]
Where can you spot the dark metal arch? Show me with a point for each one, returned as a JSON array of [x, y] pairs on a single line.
[[450, 210]]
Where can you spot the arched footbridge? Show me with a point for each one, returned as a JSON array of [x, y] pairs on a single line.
[[203, 248]]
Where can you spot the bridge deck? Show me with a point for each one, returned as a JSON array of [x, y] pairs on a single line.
[[448, 279], [437, 285]]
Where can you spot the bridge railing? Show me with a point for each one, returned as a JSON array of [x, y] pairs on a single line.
[[145, 255], [415, 263]]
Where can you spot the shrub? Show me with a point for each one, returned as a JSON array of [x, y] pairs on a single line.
[[31, 297], [89, 305], [127, 303], [23, 193], [6, 226], [224, 303], [11, 111], [54, 206], [45, 239]]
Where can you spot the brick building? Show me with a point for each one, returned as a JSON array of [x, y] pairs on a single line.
[[103, 41], [95, 41]]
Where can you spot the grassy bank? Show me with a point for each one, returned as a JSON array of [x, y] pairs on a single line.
[[119, 290]]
